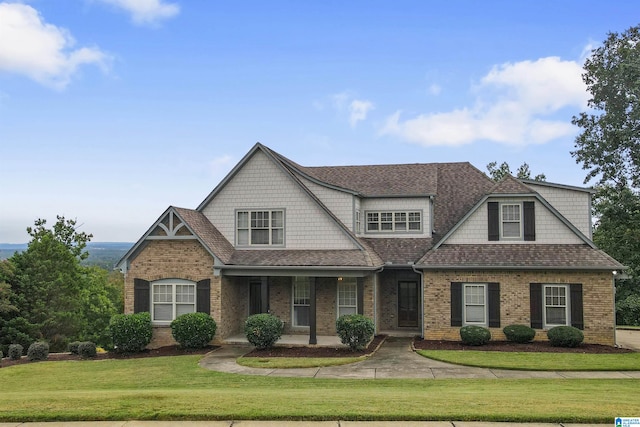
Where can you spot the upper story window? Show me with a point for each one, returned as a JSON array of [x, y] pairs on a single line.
[[394, 222], [257, 227], [511, 221], [358, 222]]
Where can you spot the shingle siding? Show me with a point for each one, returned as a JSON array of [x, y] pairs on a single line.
[[338, 202], [572, 204]]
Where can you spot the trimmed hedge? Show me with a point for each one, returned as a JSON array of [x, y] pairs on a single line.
[[565, 336], [355, 330], [193, 330], [39, 350], [131, 333], [474, 335], [15, 351], [519, 333], [87, 350], [263, 330], [73, 347]]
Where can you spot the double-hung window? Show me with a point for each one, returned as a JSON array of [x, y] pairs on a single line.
[[394, 221], [475, 304], [171, 298], [347, 296], [556, 306], [511, 221], [260, 228], [301, 301]]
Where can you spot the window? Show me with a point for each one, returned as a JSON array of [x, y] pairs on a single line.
[[394, 222], [511, 221], [301, 301], [260, 228], [358, 222], [171, 298], [347, 296], [475, 307], [556, 306]]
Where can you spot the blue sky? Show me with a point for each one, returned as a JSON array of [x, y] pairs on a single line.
[[112, 110]]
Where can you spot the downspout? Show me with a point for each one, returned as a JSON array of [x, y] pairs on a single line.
[[615, 335], [421, 274]]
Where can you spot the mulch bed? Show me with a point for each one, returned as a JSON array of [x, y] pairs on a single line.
[[317, 351], [507, 346]]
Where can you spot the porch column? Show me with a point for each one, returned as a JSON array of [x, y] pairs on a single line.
[[264, 294], [312, 311], [360, 293]]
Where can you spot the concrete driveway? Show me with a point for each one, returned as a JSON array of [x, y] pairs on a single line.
[[628, 338]]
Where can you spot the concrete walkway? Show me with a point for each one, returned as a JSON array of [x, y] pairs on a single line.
[[394, 359]]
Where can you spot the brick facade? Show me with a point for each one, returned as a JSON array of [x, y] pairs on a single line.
[[597, 294], [388, 298]]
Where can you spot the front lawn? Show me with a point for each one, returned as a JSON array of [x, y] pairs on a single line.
[[173, 388], [538, 361]]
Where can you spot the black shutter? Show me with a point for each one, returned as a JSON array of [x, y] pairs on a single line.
[[203, 296], [494, 305], [494, 221], [535, 297], [577, 319], [360, 294], [141, 296], [529, 217], [456, 304]]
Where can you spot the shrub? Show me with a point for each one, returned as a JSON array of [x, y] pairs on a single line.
[[628, 311], [474, 335], [263, 330], [87, 349], [355, 330], [1, 356], [193, 330], [73, 347], [39, 350], [519, 333], [565, 336], [15, 351], [131, 332]]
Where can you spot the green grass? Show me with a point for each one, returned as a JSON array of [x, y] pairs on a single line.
[[295, 362], [174, 388], [533, 361]]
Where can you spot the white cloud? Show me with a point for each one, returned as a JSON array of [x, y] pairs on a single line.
[[146, 12], [434, 89], [514, 105], [357, 109], [41, 51]]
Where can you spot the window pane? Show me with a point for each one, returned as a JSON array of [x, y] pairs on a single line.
[[556, 316], [185, 293], [243, 220], [162, 312], [184, 309], [346, 310], [511, 212], [511, 229], [259, 237], [277, 219], [243, 237], [475, 314], [277, 237], [301, 291], [301, 316], [162, 293], [347, 294]]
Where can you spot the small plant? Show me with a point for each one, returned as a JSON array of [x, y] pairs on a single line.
[[263, 330], [475, 335], [565, 336], [87, 350], [39, 350], [1, 356], [131, 332], [193, 330], [15, 351], [73, 347], [355, 330], [519, 333]]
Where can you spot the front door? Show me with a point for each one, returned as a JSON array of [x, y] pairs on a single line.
[[408, 304], [255, 297]]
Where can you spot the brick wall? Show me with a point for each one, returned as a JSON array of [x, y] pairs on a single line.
[[388, 297], [597, 294]]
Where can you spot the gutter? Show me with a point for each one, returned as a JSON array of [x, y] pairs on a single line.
[[514, 267], [421, 274]]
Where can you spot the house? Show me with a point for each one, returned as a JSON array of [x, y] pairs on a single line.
[[419, 248]]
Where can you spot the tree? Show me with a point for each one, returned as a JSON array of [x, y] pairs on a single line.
[[497, 173], [609, 144]]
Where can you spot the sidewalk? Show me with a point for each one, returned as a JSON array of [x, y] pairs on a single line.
[[394, 359], [294, 424]]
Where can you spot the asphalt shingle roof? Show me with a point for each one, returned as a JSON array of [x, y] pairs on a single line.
[[208, 233], [296, 258]]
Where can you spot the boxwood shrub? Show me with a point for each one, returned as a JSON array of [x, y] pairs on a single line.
[[193, 330], [355, 330], [263, 330], [565, 336], [519, 333], [131, 333], [73, 347], [15, 351], [39, 350], [87, 350], [474, 335]]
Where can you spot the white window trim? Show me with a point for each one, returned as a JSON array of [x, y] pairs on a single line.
[[486, 304], [393, 221], [351, 281], [293, 302], [172, 283], [358, 225], [567, 308], [520, 222], [271, 228]]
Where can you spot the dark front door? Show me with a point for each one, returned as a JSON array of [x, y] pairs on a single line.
[[408, 304], [255, 297]]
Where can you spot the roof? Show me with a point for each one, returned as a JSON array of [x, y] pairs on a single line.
[[209, 235], [309, 258], [519, 256], [399, 251]]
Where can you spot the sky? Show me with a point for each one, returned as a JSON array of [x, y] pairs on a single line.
[[113, 110]]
